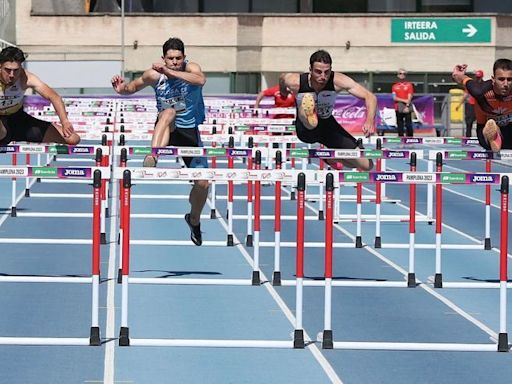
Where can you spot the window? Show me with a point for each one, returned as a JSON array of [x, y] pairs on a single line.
[[281, 6], [340, 6], [392, 6], [446, 6], [229, 6], [245, 82]]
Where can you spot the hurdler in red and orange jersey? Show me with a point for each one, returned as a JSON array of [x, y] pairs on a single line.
[[493, 105]]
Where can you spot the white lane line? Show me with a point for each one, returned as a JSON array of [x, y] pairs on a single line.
[[324, 363], [108, 373]]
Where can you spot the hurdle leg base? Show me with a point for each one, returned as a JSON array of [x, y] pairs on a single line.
[[38, 180], [503, 342], [103, 238], [292, 195], [94, 338], [13, 212], [298, 339], [119, 276], [321, 215], [213, 215], [359, 242], [118, 238], [248, 240], [438, 280], [255, 278], [276, 278], [27, 192], [106, 212], [487, 244], [378, 242], [124, 339], [411, 280], [327, 342], [230, 241]]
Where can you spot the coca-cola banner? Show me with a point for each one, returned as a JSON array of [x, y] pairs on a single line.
[[350, 112]]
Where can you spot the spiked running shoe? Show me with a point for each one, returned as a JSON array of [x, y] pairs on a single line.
[[492, 134], [149, 161], [308, 110], [195, 231]]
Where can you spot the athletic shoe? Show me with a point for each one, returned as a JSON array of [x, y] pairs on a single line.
[[492, 135], [308, 110], [195, 231], [149, 161]]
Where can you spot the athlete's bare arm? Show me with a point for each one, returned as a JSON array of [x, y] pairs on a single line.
[[341, 82], [192, 73], [48, 93], [149, 77]]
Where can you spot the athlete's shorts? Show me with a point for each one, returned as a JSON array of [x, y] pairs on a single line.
[[189, 137], [20, 126], [328, 132]]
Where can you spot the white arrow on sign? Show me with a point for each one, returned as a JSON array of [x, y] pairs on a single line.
[[470, 30]]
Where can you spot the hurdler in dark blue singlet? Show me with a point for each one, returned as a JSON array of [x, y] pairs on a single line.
[[328, 132]]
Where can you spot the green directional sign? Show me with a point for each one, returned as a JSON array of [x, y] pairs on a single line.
[[441, 30]]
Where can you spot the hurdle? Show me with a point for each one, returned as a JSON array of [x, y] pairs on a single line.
[[326, 337], [448, 178], [72, 173], [475, 155], [124, 335], [51, 150], [94, 279]]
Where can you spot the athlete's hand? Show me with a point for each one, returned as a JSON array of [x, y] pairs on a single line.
[[67, 128], [459, 72], [159, 67], [118, 83], [368, 129]]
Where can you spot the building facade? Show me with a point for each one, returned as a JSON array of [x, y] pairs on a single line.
[[244, 45]]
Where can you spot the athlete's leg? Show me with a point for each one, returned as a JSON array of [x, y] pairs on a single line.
[[189, 137], [197, 200], [333, 135], [162, 133], [53, 134], [362, 164], [163, 128], [492, 135], [3, 132]]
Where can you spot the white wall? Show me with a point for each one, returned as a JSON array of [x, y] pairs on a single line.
[[75, 74]]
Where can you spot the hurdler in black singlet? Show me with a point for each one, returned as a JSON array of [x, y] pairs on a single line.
[[328, 132]]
